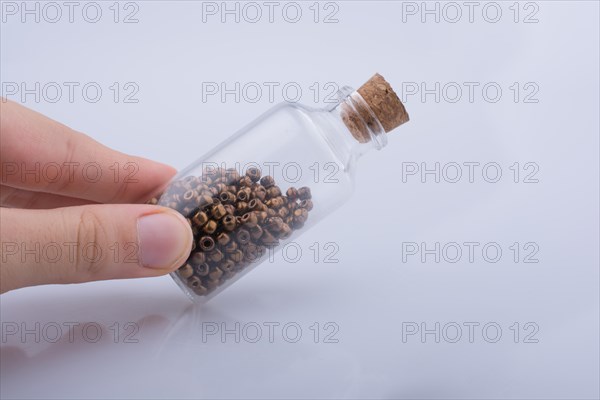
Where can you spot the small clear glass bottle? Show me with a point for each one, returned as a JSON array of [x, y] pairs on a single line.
[[273, 180]]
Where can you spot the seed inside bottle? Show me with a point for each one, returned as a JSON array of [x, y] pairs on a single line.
[[235, 219]]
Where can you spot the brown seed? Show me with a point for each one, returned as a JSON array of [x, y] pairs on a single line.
[[227, 266], [249, 219], [211, 285], [307, 204], [215, 256], [194, 281], [252, 252], [242, 236], [229, 222], [227, 274], [202, 269], [200, 290], [255, 205], [300, 215], [189, 195], [186, 271], [237, 256], [283, 212], [223, 238], [190, 180], [241, 206], [276, 202], [260, 193], [292, 193], [206, 180], [215, 274], [291, 205], [206, 243], [274, 224], [232, 175], [210, 227], [267, 181], [273, 191], [198, 258], [285, 232], [227, 197], [231, 247], [153, 201], [205, 200], [245, 181], [244, 194], [200, 218], [218, 211], [261, 216], [268, 239], [253, 173], [304, 193], [230, 209], [256, 232]]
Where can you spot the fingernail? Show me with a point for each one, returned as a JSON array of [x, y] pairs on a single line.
[[164, 239]]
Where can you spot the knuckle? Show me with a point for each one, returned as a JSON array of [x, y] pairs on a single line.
[[70, 150], [119, 188], [91, 236], [11, 197]]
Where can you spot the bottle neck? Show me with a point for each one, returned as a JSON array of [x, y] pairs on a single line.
[[350, 127], [359, 119]]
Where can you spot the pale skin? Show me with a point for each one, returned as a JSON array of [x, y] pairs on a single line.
[[62, 221]]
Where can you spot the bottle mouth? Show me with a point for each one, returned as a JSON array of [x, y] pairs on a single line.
[[360, 118]]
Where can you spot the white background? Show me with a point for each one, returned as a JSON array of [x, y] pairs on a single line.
[[370, 296]]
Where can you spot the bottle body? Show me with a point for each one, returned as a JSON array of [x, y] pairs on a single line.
[[264, 186]]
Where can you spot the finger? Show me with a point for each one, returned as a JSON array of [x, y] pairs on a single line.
[[19, 198], [89, 243], [42, 155]]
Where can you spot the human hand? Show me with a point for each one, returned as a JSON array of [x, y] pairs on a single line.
[[64, 215]]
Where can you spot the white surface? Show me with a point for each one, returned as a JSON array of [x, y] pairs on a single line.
[[370, 293]]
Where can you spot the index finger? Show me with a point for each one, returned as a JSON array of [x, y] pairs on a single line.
[[42, 155]]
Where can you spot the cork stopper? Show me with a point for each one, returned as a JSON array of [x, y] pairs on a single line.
[[379, 108]]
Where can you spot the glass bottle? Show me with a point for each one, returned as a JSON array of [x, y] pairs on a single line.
[[273, 180]]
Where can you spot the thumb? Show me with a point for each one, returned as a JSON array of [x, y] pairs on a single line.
[[89, 243]]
